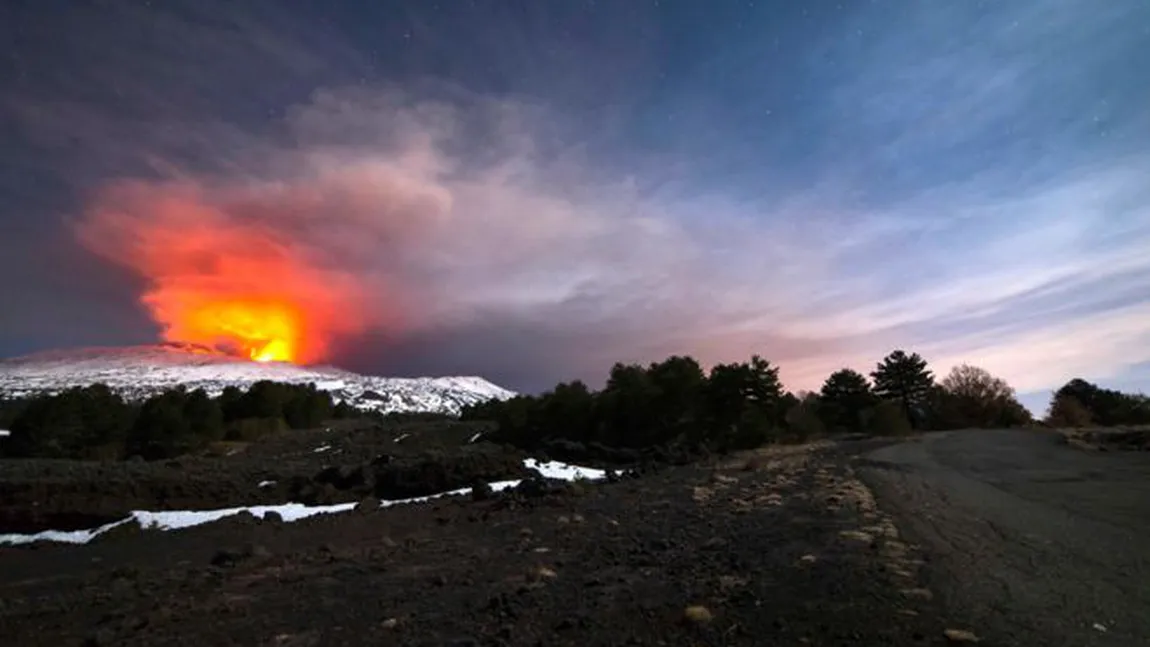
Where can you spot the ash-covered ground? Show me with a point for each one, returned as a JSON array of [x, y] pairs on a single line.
[[782, 546]]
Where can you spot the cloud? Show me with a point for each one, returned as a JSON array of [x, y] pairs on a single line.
[[973, 200]]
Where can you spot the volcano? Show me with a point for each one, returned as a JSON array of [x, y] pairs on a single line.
[[136, 372]]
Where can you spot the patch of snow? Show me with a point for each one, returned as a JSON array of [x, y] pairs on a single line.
[[174, 520], [264, 484], [321, 449], [401, 437], [4, 433], [557, 470], [474, 438]]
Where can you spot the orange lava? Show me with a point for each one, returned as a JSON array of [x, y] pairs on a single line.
[[265, 331], [216, 280]]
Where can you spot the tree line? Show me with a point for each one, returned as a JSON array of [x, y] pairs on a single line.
[[743, 405], [1082, 404], [672, 402], [94, 422]]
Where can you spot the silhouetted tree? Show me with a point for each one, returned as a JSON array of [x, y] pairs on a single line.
[[1107, 407], [161, 430], [626, 406], [804, 419], [887, 418], [1067, 411], [845, 397], [676, 406], [568, 412], [905, 379], [305, 406], [972, 397], [743, 404], [83, 422]]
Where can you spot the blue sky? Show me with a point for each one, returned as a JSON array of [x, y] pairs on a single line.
[[551, 187]]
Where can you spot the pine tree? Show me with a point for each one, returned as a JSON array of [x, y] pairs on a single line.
[[904, 379], [844, 398]]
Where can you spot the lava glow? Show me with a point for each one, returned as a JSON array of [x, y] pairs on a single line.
[[216, 280], [265, 331]]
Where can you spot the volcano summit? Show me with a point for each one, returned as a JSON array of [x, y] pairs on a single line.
[[137, 372]]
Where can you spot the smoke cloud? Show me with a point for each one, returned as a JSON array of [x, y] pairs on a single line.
[[373, 213], [475, 190]]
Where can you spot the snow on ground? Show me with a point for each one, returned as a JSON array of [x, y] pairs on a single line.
[[4, 433], [557, 470], [321, 449], [176, 519]]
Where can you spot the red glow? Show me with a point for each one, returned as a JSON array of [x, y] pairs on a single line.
[[215, 280]]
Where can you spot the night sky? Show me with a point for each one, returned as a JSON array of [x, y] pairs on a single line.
[[531, 191]]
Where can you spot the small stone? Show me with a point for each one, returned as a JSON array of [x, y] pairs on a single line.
[[525, 532], [808, 559], [226, 557], [698, 614], [729, 582], [856, 535], [390, 623], [577, 518], [481, 491], [921, 594], [563, 519], [960, 636], [715, 542], [367, 505], [545, 573]]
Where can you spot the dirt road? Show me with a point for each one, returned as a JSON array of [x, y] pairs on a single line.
[[1028, 540]]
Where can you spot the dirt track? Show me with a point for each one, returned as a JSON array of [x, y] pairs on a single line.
[[1031, 540], [790, 553]]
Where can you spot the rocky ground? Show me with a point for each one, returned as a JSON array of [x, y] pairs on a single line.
[[344, 462], [784, 547]]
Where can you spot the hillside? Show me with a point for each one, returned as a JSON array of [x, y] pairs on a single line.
[[137, 372]]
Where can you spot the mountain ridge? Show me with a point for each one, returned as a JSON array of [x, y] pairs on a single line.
[[136, 372]]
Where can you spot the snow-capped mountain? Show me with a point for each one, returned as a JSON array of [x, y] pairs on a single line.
[[139, 371]]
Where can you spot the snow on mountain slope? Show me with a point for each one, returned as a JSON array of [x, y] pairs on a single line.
[[139, 371]]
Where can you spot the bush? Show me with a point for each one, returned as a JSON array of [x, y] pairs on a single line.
[[887, 418], [804, 422], [252, 429]]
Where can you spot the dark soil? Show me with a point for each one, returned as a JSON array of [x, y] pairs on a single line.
[[388, 462], [730, 554]]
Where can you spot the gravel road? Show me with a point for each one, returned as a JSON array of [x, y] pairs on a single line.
[[1028, 540]]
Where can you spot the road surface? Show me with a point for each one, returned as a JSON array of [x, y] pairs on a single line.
[[1028, 540]]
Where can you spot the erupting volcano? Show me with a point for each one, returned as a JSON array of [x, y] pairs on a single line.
[[265, 331], [217, 279]]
